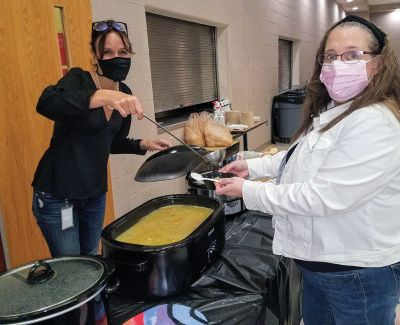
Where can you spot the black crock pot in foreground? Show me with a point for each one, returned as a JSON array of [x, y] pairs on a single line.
[[158, 271], [65, 290]]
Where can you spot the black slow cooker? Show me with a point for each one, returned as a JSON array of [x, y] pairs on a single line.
[[232, 205], [65, 290], [158, 271]]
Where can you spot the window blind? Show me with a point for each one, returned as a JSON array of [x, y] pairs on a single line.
[[183, 62], [285, 65]]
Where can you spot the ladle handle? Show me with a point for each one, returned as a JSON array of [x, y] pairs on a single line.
[[211, 180], [175, 137]]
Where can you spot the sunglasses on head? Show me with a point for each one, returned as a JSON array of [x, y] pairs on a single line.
[[102, 26]]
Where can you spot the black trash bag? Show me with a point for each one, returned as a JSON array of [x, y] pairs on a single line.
[[284, 299], [219, 307]]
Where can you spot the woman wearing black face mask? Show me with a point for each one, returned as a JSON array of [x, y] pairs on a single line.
[[92, 117]]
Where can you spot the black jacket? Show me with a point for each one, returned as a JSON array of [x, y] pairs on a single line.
[[75, 164]]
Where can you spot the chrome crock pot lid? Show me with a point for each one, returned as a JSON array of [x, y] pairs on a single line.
[[74, 280]]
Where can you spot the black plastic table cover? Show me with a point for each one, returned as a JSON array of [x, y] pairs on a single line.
[[246, 285]]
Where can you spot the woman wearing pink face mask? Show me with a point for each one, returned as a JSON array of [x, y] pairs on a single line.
[[336, 199]]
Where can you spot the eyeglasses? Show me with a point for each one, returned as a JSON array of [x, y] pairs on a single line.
[[102, 26], [349, 57]]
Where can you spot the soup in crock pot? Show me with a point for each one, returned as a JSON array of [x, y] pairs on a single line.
[[166, 225]]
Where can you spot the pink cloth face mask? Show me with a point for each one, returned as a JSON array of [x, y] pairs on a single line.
[[344, 81]]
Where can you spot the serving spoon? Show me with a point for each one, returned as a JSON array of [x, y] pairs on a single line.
[[198, 177]]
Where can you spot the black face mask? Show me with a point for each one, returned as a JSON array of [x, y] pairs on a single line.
[[116, 68]]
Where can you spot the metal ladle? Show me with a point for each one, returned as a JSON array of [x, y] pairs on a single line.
[[186, 145]]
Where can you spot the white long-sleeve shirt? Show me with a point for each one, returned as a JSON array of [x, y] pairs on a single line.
[[338, 200]]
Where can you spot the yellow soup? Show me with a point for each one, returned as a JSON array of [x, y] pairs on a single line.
[[166, 225]]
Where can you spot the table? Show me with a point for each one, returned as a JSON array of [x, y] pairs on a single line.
[[238, 133], [246, 285]]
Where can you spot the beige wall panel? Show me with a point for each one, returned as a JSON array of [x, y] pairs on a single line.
[[390, 23]]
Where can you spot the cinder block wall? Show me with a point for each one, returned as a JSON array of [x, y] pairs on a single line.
[[390, 23], [247, 40]]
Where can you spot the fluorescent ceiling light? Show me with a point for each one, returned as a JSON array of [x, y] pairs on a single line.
[[355, 8], [349, 0]]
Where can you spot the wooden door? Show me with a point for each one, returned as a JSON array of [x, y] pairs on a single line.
[[30, 60]]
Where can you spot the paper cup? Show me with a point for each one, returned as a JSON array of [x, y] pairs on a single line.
[[232, 117], [247, 118]]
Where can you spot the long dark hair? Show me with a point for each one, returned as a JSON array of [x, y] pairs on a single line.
[[384, 86]]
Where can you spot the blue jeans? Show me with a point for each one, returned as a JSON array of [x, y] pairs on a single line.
[[367, 296], [81, 239]]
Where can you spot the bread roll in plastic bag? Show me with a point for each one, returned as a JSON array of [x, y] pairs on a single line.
[[194, 131], [203, 118], [217, 134]]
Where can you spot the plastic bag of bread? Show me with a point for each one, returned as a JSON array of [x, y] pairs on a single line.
[[203, 118], [217, 134], [193, 131]]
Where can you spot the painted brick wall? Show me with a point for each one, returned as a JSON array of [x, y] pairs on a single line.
[[390, 23]]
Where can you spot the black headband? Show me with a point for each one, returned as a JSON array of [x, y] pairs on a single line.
[[378, 33]]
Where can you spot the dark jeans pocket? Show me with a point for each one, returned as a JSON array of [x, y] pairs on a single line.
[[396, 274], [37, 202], [34, 205], [45, 206]]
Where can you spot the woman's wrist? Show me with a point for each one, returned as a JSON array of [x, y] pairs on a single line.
[[97, 99], [143, 145]]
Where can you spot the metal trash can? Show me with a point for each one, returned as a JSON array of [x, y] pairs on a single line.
[[287, 114]]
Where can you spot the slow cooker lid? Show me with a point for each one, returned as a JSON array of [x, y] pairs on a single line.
[[171, 163], [70, 280]]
